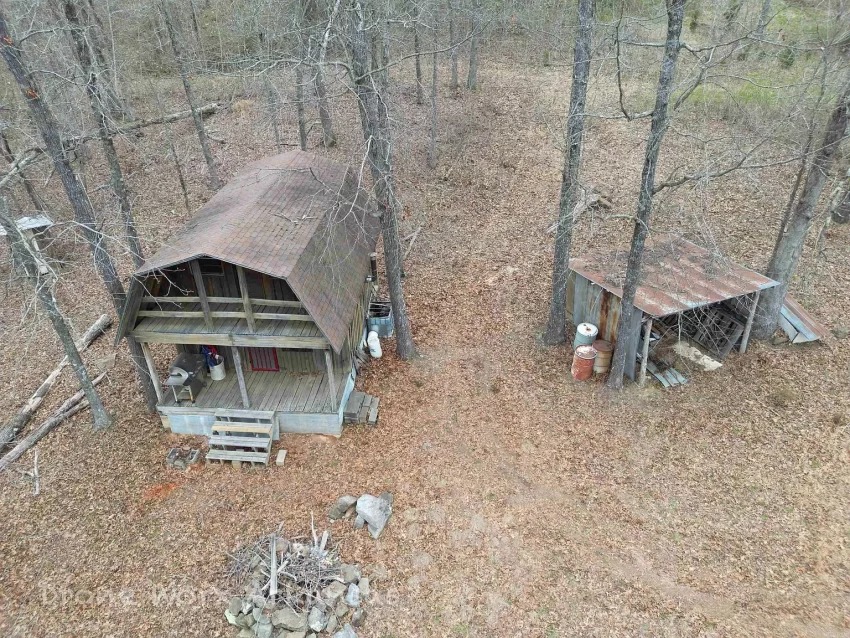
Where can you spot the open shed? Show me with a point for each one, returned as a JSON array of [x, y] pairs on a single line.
[[683, 287]]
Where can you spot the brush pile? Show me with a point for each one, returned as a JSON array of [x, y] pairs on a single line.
[[294, 588]]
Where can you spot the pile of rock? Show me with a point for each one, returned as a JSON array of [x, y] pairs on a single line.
[[292, 589], [370, 511]]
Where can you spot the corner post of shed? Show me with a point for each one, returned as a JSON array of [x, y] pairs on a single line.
[[146, 352], [644, 355], [745, 338], [246, 299], [202, 292], [240, 376], [329, 364]]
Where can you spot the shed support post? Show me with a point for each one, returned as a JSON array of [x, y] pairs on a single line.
[[745, 338], [240, 376], [246, 299], [644, 355], [146, 351], [329, 364], [202, 292]]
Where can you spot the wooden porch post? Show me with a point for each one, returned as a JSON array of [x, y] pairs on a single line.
[[240, 376], [202, 292], [146, 351], [745, 338], [246, 299], [644, 356], [329, 364]]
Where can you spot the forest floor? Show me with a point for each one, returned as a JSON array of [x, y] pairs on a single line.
[[525, 503]]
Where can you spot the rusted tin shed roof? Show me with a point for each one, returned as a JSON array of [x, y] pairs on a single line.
[[677, 275], [295, 216], [798, 324]]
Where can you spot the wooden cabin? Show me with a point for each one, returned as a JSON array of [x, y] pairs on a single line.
[[272, 275]]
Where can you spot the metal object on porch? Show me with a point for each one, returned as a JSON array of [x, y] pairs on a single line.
[[380, 318], [186, 376], [361, 408]]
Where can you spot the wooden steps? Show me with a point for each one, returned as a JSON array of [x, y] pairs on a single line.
[[241, 439], [361, 408]]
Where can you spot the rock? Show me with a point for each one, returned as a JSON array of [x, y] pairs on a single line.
[[245, 633], [333, 623], [333, 593], [841, 332], [231, 617], [349, 573], [290, 620], [236, 464], [244, 621], [264, 628], [295, 634], [250, 621], [235, 605], [375, 511], [341, 507], [358, 617], [387, 497], [317, 619], [352, 596], [281, 457], [247, 605], [346, 632], [257, 613], [359, 522], [341, 609], [365, 587]]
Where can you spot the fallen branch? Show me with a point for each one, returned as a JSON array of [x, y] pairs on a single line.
[[412, 237], [17, 423], [74, 404]]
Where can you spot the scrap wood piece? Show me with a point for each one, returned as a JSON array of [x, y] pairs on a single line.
[[17, 423], [72, 405], [798, 324]]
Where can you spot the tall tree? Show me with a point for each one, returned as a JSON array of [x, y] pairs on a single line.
[[43, 287], [328, 135], [183, 70], [472, 76], [417, 56], [99, 107], [432, 137], [371, 90], [48, 128], [453, 82], [556, 329], [792, 238], [658, 127]]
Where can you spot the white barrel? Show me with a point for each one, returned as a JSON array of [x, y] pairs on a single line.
[[217, 372], [585, 334], [374, 344]]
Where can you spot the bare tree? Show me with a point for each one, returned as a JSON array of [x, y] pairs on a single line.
[[453, 82], [792, 238], [98, 104], [299, 106], [417, 55], [183, 70], [371, 90], [48, 128], [273, 108], [9, 156], [432, 137], [556, 330], [658, 127], [472, 77], [42, 284], [328, 137]]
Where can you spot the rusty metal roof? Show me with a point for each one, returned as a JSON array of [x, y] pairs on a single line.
[[677, 275], [798, 324], [295, 216]]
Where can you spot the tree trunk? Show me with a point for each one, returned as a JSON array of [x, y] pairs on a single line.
[[432, 138], [660, 122], [272, 104], [215, 183], [764, 18], [6, 150], [371, 87], [96, 45], [299, 107], [97, 102], [840, 208], [417, 58], [44, 293], [178, 167], [328, 135], [789, 246], [48, 127], [472, 77], [453, 82], [556, 330]]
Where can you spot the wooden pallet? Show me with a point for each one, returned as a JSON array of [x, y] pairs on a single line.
[[240, 441], [668, 378], [361, 408]]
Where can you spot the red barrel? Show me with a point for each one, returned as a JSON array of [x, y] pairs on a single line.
[[583, 359]]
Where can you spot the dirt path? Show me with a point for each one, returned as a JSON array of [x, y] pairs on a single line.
[[525, 504]]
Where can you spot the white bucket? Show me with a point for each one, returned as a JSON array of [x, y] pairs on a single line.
[[374, 344], [585, 334], [217, 372]]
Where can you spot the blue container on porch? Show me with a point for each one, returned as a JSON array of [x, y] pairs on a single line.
[[380, 318]]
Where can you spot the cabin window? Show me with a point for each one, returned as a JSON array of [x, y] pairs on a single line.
[[263, 360], [211, 267]]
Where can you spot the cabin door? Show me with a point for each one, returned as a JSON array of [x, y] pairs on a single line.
[[263, 359]]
